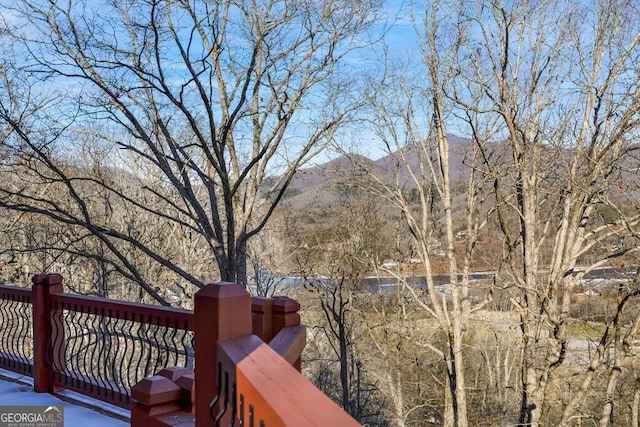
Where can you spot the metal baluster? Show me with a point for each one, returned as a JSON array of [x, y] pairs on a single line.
[[140, 327], [234, 412], [173, 348], [217, 396], [100, 323], [241, 410], [130, 353], [108, 345], [123, 349], [82, 359], [58, 335], [225, 405]]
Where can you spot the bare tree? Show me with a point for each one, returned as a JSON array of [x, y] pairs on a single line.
[[412, 117], [560, 80], [211, 99], [333, 270], [269, 260]]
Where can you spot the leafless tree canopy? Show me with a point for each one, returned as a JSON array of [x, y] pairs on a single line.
[[182, 111], [546, 93]]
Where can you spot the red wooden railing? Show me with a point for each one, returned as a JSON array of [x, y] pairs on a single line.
[[248, 355], [125, 356], [94, 346], [243, 380], [261, 388]]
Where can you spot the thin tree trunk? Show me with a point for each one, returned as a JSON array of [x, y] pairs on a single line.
[[398, 397], [533, 380], [241, 261], [460, 389], [635, 408], [606, 418], [344, 370], [449, 416]]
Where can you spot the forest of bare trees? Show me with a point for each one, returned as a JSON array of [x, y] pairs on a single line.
[[148, 147], [199, 100]]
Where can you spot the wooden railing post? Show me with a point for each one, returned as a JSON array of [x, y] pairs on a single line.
[[285, 313], [261, 314], [221, 311], [155, 397], [43, 286]]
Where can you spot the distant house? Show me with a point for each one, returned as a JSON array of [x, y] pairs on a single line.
[[389, 264]]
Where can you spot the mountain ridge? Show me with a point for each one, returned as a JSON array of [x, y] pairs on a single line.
[[316, 184]]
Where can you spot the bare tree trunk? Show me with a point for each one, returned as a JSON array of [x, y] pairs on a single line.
[[606, 418], [344, 369], [533, 392], [398, 396], [449, 417], [635, 406]]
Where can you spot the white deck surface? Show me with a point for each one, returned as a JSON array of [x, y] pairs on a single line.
[[79, 411]]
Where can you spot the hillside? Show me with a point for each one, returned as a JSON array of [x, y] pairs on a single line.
[[317, 184]]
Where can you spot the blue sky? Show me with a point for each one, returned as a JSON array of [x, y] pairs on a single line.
[[400, 39]]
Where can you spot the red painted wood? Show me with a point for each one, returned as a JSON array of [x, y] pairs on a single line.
[[222, 311], [290, 342], [142, 313], [222, 322], [285, 313], [155, 390], [44, 285], [261, 314], [280, 395], [14, 293]]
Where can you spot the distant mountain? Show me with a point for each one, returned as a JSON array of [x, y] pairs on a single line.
[[317, 184], [459, 147]]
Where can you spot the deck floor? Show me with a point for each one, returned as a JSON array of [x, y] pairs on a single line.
[[79, 411]]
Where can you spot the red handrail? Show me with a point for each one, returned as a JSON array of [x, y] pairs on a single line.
[[124, 310], [122, 323], [261, 381], [271, 390]]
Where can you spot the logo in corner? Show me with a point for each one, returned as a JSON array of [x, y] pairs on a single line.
[[31, 416]]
